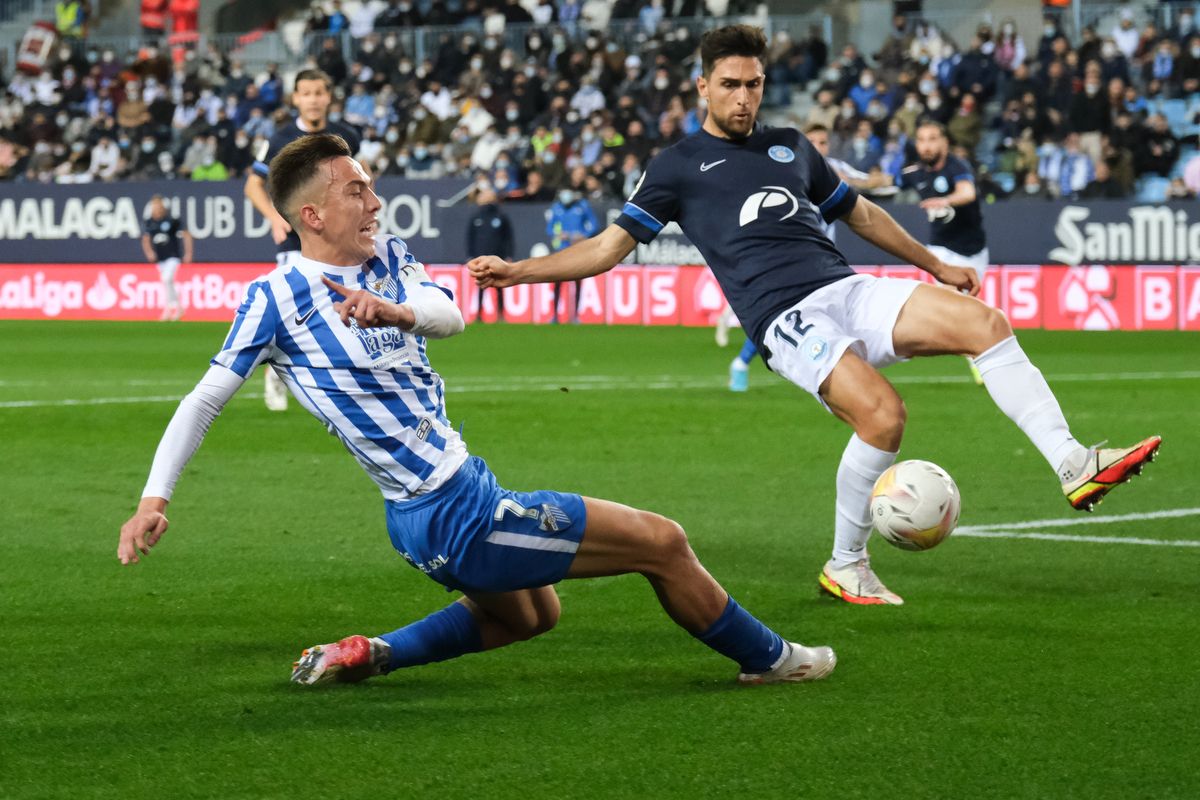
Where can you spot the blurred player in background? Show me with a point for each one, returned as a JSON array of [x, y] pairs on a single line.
[[346, 323], [312, 93], [161, 235], [489, 231], [571, 220], [947, 189], [753, 200]]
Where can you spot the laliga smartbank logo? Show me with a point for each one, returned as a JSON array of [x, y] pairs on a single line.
[[1152, 234], [113, 293]]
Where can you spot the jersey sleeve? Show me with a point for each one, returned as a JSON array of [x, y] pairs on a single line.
[[262, 158], [652, 205], [832, 196], [252, 336], [959, 170]]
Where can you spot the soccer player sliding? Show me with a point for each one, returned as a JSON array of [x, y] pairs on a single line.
[[344, 325], [752, 199]]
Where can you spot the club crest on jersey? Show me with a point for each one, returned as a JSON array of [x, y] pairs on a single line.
[[784, 155], [816, 347], [940, 184], [553, 519], [771, 197]]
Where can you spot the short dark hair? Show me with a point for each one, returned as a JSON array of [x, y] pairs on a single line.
[[313, 74], [732, 40], [930, 122], [815, 127], [295, 165]]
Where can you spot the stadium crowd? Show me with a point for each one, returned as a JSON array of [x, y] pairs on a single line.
[[1040, 115]]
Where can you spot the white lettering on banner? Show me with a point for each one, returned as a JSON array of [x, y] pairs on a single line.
[[590, 301], [96, 218], [1023, 296], [517, 300], [1192, 312], [662, 294], [1153, 233], [1157, 298], [254, 224], [210, 217], [48, 296], [417, 221], [624, 293]]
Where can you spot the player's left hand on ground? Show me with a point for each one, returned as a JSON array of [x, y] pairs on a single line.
[[140, 533], [964, 279], [368, 310]]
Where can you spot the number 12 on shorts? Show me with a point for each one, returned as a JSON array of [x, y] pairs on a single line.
[[798, 326]]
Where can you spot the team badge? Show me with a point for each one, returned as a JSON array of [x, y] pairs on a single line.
[[783, 155], [941, 185], [816, 347], [553, 519]]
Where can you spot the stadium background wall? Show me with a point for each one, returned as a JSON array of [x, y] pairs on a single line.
[[66, 253]]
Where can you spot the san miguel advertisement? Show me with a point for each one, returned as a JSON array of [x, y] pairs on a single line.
[[73, 252]]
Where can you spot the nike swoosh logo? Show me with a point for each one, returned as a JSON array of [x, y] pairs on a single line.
[[301, 320], [707, 167]]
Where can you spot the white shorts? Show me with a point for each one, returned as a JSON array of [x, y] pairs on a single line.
[[167, 268], [977, 262], [806, 341]]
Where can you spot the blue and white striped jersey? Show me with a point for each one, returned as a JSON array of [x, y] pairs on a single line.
[[373, 388]]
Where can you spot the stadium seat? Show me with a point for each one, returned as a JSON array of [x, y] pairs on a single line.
[[1176, 112], [1186, 154], [1152, 189]]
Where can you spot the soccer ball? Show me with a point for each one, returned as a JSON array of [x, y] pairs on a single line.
[[915, 505]]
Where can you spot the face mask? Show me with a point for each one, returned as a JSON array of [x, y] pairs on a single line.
[[548, 157], [912, 105], [402, 161], [566, 197], [420, 114], [68, 75], [1195, 51], [502, 163], [405, 68], [934, 104], [61, 120], [1091, 89], [506, 63], [1048, 30], [241, 142], [124, 143], [147, 147], [391, 137], [368, 47], [661, 83], [405, 7], [572, 117], [530, 72], [390, 43], [512, 115], [1108, 50], [420, 152], [535, 43], [927, 87], [209, 160], [107, 58], [847, 113], [1032, 188], [477, 64], [587, 136], [335, 116], [1185, 23], [490, 44], [485, 92], [865, 81]]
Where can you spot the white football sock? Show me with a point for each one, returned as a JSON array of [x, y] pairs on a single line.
[[737, 363], [860, 467], [1019, 389]]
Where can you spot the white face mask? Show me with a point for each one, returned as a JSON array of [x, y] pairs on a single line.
[[391, 137], [477, 64], [927, 87], [661, 83]]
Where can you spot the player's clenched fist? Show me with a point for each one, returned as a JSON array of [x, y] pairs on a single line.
[[492, 271]]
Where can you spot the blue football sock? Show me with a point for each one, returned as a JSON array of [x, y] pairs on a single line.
[[749, 351], [448, 633], [738, 635]]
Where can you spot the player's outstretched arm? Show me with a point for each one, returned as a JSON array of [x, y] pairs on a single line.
[[179, 442], [583, 259], [879, 228]]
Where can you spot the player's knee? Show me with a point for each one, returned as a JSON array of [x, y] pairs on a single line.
[[995, 329], [669, 543], [882, 424]]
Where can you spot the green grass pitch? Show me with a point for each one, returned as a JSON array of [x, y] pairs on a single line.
[[1020, 667]]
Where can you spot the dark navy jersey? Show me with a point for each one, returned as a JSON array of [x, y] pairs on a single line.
[[164, 236], [754, 209], [285, 136], [963, 232]]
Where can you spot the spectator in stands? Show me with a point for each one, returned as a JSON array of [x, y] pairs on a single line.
[[864, 91], [1102, 186], [331, 62], [1158, 71], [1032, 188], [1124, 35], [1178, 190], [1188, 68], [863, 150], [424, 163], [360, 106], [106, 162], [1157, 148], [1089, 114], [270, 89], [966, 125], [1066, 170], [1010, 48], [337, 20], [239, 156]]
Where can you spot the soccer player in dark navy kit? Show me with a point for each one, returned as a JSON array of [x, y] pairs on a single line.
[[947, 189], [751, 199], [311, 95], [161, 237]]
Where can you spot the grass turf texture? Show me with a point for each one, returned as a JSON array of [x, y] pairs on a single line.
[[1017, 669]]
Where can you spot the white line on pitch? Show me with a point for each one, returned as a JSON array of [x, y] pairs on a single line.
[[1081, 520], [600, 383], [1065, 537]]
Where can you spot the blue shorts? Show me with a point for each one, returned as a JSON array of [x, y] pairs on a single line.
[[472, 535]]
